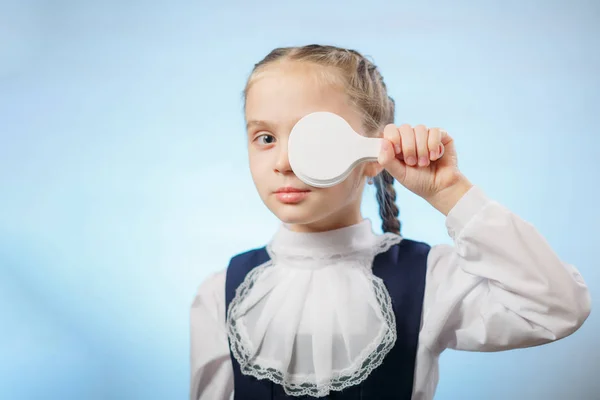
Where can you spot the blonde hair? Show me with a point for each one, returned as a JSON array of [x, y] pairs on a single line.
[[366, 90]]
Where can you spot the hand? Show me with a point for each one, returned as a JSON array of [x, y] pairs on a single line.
[[424, 161]]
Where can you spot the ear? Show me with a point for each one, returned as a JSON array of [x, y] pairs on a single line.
[[372, 169]]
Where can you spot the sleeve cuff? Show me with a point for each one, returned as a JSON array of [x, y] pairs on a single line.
[[469, 205]]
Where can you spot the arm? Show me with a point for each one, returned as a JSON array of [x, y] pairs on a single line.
[[501, 286], [211, 370]]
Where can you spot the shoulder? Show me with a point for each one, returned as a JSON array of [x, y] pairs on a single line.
[[248, 256], [438, 257], [240, 266], [415, 246], [211, 293], [242, 263], [412, 249], [215, 282], [211, 289], [433, 253]]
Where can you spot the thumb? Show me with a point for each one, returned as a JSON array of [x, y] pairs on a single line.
[[447, 144], [387, 159]]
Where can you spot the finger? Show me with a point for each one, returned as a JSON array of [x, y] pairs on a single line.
[[433, 143], [388, 161], [390, 132], [447, 143], [386, 153], [408, 144], [421, 134]]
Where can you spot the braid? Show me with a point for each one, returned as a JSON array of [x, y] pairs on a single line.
[[386, 198]]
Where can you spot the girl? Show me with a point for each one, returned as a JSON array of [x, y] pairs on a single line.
[[329, 308]]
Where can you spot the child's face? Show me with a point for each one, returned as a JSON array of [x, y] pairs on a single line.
[[278, 99]]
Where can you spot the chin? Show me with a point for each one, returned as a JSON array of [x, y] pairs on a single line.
[[295, 217], [297, 214]]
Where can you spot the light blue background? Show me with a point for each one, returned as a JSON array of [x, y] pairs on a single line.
[[124, 180]]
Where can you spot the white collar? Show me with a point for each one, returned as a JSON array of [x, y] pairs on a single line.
[[314, 330], [348, 241]]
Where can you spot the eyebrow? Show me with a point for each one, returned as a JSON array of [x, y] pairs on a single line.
[[257, 123], [262, 124]]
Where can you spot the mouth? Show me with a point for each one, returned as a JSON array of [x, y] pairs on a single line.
[[291, 195], [291, 189]]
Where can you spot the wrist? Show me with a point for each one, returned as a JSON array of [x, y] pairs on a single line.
[[446, 199]]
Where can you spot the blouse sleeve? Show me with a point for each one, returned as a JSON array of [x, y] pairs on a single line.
[[211, 368], [501, 286]]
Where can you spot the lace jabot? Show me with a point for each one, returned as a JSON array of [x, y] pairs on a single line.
[[314, 318]]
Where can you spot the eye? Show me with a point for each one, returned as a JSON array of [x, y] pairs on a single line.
[[265, 139]]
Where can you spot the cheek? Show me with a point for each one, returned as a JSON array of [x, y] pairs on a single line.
[[261, 169], [350, 186], [355, 181], [257, 159], [346, 191], [257, 167]]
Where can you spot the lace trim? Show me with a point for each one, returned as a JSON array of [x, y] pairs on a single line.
[[386, 241], [370, 358]]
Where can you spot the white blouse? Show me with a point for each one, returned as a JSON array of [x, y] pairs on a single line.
[[499, 287]]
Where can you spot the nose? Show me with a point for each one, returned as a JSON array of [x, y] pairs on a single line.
[[282, 163]]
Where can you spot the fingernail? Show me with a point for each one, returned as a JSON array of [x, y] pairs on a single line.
[[397, 148], [422, 161], [411, 160]]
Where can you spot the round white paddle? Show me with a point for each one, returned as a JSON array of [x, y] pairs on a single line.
[[323, 149]]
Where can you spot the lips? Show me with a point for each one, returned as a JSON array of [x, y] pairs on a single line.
[[291, 195], [290, 189]]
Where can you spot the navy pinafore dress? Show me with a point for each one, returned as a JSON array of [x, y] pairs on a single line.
[[402, 269]]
